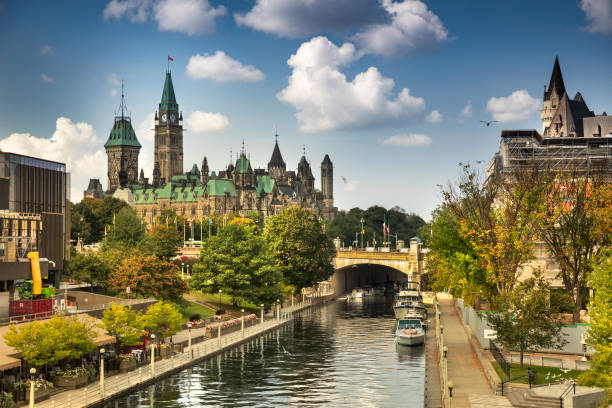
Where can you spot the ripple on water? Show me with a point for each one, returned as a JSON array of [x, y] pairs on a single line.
[[336, 355]]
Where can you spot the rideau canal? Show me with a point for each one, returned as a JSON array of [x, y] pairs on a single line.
[[339, 354]]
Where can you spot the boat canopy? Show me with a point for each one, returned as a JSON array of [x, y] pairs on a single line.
[[409, 324]]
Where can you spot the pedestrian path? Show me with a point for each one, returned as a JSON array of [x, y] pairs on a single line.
[[118, 384], [464, 369]]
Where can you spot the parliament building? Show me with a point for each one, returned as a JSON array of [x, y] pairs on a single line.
[[200, 192]]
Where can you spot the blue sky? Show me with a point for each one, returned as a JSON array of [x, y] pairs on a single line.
[[393, 91]]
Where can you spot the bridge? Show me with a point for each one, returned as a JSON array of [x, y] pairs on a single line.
[[371, 267]]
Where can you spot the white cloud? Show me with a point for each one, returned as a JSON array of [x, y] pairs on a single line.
[[434, 117], [466, 112], [201, 122], [75, 144], [351, 185], [222, 68], [299, 18], [191, 17], [145, 131], [47, 79], [517, 106], [410, 140], [46, 50], [413, 30], [325, 100], [599, 14], [113, 79]]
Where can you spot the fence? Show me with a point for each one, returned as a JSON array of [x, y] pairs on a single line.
[[111, 387], [499, 357], [442, 350]]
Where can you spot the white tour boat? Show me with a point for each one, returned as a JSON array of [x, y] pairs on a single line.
[[409, 332]]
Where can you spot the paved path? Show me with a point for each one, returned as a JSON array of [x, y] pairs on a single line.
[[464, 369], [433, 392]]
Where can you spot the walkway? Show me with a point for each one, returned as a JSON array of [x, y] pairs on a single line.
[[433, 393], [122, 383], [464, 369]]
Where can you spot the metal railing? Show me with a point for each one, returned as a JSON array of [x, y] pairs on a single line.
[[571, 386], [114, 385], [442, 349], [501, 360]]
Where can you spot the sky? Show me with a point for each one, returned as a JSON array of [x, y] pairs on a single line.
[[393, 91]]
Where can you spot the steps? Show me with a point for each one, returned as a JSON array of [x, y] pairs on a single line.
[[525, 398]]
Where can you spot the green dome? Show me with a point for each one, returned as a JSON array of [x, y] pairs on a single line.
[[122, 134]]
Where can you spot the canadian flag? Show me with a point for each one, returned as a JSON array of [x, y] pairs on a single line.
[[170, 58]]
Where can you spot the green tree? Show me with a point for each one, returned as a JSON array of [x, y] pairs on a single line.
[[162, 241], [124, 323], [237, 261], [527, 321], [88, 266], [127, 230], [148, 276], [301, 249], [55, 341], [163, 319], [600, 331]]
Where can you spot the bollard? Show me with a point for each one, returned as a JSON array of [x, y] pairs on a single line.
[[70, 400], [85, 396]]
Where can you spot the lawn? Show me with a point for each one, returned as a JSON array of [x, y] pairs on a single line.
[[213, 300], [554, 374], [189, 309]]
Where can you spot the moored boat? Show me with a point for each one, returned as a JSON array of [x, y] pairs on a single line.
[[409, 332]]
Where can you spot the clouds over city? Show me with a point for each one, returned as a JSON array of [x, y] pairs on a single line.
[[599, 15], [411, 140], [434, 117], [73, 143], [222, 68], [202, 122], [517, 106], [325, 100], [191, 17]]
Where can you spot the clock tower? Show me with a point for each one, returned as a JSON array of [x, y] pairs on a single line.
[[122, 149], [168, 134]]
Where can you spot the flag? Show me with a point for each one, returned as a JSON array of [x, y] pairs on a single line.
[[384, 224], [388, 225], [170, 58], [210, 220]]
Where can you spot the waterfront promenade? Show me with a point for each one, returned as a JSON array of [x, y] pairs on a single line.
[[116, 385]]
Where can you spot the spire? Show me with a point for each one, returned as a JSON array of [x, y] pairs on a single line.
[[277, 158], [122, 133], [326, 161], [168, 101], [556, 81], [205, 165]]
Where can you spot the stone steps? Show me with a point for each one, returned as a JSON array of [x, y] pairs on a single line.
[[525, 398]]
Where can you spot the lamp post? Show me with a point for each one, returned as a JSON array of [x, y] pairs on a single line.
[[292, 297], [450, 394], [189, 341], [362, 221], [152, 354], [183, 270], [242, 322], [262, 307], [102, 390], [278, 310], [32, 373], [220, 298], [219, 333]]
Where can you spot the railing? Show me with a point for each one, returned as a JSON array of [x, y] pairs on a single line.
[[115, 385], [571, 387], [530, 375], [442, 350], [501, 360]]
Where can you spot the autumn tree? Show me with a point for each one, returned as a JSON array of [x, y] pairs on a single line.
[[576, 224], [125, 324], [89, 267], [499, 219], [148, 276], [55, 341], [238, 262], [163, 319], [527, 321], [600, 330]]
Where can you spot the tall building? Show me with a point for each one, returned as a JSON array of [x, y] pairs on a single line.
[[168, 135], [327, 181], [122, 149]]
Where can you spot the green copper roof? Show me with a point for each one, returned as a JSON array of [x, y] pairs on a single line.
[[218, 187], [122, 134], [265, 184], [243, 165], [168, 101]]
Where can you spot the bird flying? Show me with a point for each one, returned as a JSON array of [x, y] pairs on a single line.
[[488, 123]]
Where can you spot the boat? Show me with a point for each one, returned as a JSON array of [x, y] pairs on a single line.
[[404, 309], [357, 294], [409, 332]]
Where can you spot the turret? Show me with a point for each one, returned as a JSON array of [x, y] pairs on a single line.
[[276, 165], [552, 96], [304, 175], [204, 171], [327, 181]]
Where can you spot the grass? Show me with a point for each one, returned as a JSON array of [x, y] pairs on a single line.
[[188, 309], [226, 301], [541, 372]]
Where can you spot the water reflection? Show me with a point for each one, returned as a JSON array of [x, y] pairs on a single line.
[[337, 355]]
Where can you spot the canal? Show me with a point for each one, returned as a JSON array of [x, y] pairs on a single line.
[[340, 354]]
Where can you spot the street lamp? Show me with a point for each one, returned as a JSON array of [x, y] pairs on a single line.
[[445, 349], [278, 310], [262, 308], [242, 322], [183, 270], [441, 329], [450, 393], [32, 373], [152, 354], [362, 221], [220, 298], [189, 340], [102, 351], [292, 297]]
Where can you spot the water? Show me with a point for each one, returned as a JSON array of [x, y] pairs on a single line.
[[337, 355]]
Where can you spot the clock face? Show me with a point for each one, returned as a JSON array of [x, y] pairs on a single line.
[[172, 118], [164, 117]]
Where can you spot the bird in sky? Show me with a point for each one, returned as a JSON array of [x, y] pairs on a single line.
[[343, 179], [488, 123]]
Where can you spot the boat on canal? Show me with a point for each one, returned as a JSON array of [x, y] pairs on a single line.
[[409, 301], [409, 332]]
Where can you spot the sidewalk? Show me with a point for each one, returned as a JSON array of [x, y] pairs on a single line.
[[464, 369]]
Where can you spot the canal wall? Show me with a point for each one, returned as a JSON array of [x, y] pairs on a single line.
[[100, 393]]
